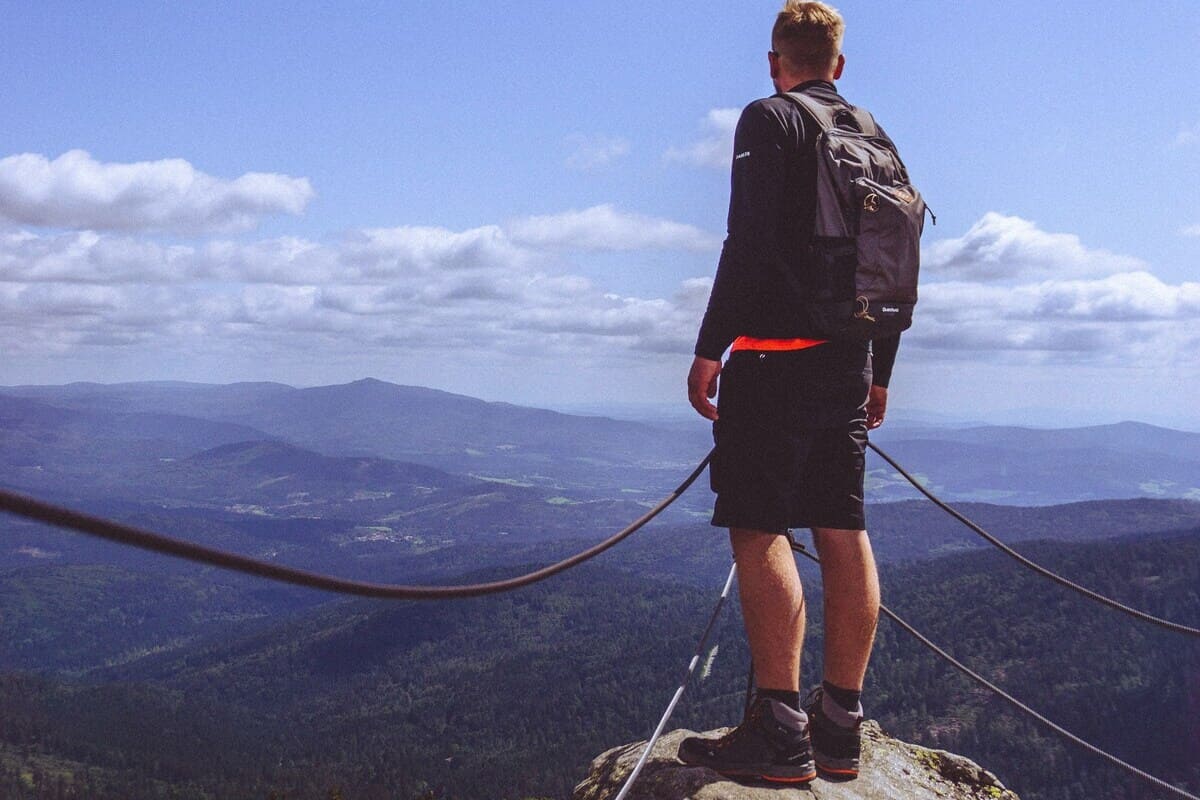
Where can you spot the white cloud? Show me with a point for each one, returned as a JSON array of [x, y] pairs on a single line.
[[384, 251], [606, 228], [498, 290], [76, 191], [715, 149], [1006, 248], [1008, 290], [285, 260], [1188, 136], [1131, 296], [61, 318], [693, 293], [374, 290], [89, 257], [1126, 297], [362, 257], [457, 262], [1191, 230], [593, 152]]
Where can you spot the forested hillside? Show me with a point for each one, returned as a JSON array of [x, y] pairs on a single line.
[[1128, 687], [511, 696], [124, 674]]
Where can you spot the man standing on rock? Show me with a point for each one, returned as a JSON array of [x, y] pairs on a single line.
[[791, 431]]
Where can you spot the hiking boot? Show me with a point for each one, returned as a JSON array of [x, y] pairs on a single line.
[[836, 740], [771, 744]]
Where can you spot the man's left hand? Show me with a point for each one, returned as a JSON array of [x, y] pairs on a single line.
[[876, 406]]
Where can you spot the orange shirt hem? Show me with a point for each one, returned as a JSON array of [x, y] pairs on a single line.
[[750, 343]]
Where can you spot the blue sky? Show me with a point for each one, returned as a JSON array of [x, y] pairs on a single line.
[[525, 202]]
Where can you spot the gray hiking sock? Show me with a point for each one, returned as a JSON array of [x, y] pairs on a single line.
[[846, 698], [840, 716], [789, 699], [790, 717]]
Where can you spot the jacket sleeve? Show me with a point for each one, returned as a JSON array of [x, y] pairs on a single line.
[[755, 198], [883, 358]]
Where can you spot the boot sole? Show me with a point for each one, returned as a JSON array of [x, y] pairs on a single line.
[[792, 775], [758, 774], [843, 768]]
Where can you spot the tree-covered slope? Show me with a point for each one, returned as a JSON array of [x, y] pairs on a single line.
[[511, 696]]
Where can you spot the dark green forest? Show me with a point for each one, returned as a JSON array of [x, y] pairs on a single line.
[[124, 674], [512, 696]]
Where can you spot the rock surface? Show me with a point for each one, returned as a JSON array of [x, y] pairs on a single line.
[[891, 770]]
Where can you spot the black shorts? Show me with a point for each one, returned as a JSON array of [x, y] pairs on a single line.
[[791, 439]]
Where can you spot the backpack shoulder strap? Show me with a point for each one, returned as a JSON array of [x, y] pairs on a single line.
[[829, 116]]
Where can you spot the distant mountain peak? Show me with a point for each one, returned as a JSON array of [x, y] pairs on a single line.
[[258, 447], [376, 387]]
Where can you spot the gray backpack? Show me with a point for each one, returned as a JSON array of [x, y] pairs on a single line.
[[866, 241]]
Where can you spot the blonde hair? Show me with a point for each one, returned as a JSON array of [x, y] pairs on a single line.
[[808, 35]]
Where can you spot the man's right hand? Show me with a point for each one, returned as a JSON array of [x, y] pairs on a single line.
[[876, 406], [702, 386]]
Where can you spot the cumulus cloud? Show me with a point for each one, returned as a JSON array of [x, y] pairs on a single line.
[[715, 148], [693, 293], [1126, 297], [1006, 248], [361, 257], [1008, 288], [89, 257], [386, 251], [382, 288], [62, 318], [429, 255], [606, 228], [500, 290], [76, 191], [1188, 137], [593, 152]]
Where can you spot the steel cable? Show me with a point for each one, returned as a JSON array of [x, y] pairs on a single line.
[[37, 510], [156, 542], [1099, 598], [982, 681]]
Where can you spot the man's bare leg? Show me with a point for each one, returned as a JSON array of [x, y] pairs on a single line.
[[851, 587], [772, 741], [772, 606]]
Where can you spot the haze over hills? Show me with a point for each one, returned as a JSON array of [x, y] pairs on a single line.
[[590, 456], [1023, 466], [449, 431], [1119, 436], [81, 440]]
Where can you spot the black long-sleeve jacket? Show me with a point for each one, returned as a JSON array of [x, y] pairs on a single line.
[[772, 205]]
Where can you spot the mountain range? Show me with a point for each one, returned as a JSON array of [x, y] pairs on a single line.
[[125, 674], [585, 457]]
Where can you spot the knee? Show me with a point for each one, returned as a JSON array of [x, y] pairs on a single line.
[[840, 545], [748, 539]]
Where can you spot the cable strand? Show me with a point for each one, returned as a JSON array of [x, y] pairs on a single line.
[[1038, 568], [984, 682], [40, 511]]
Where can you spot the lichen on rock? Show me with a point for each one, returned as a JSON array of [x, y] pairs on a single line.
[[891, 770]]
